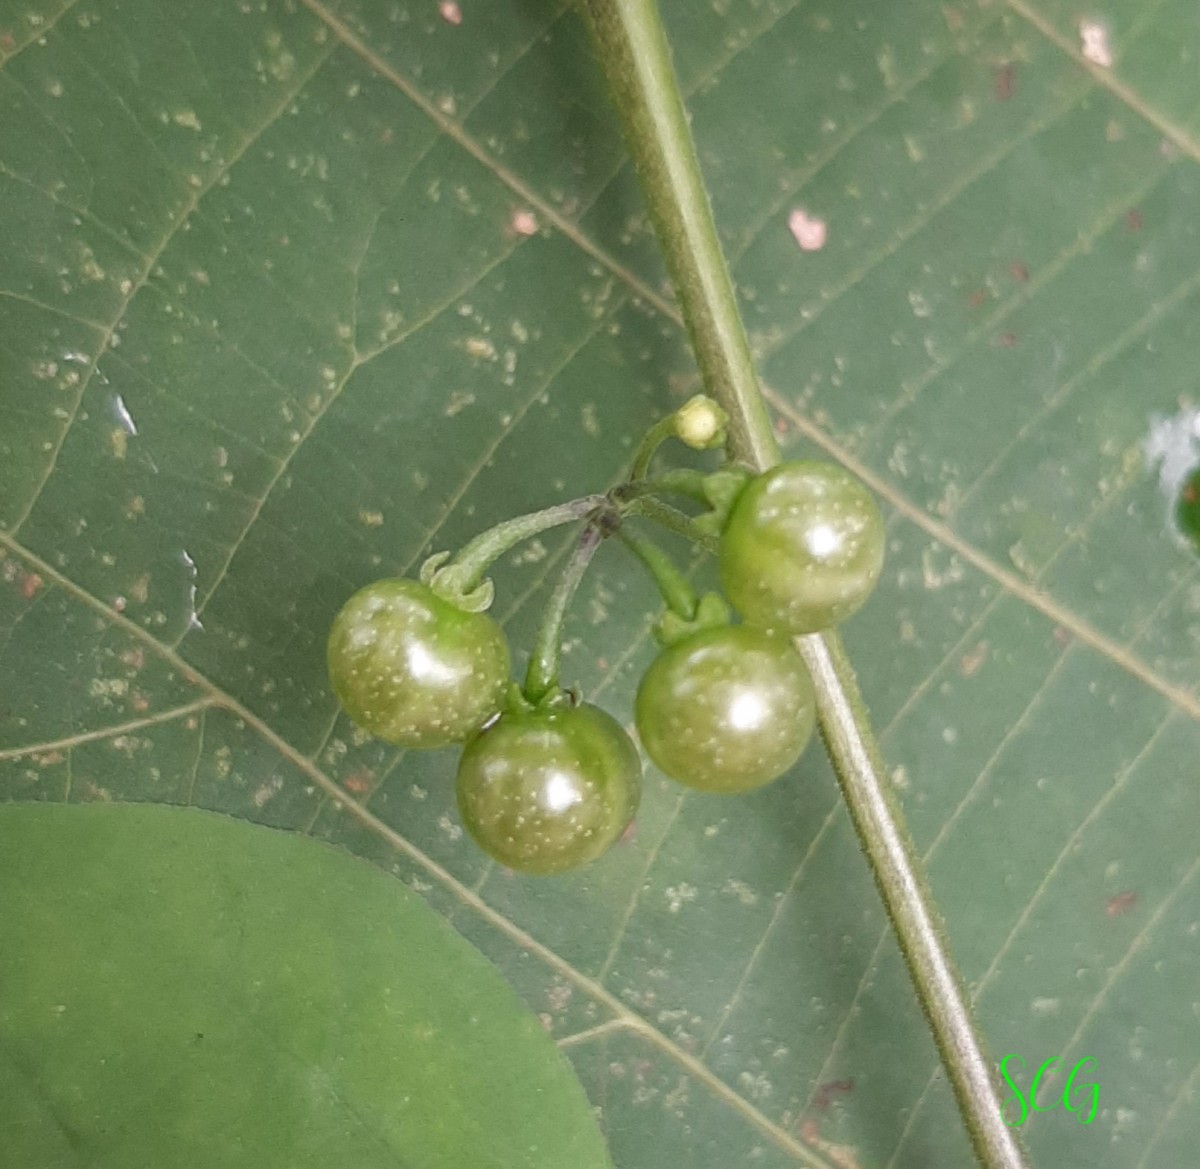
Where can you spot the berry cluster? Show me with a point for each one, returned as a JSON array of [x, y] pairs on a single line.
[[547, 783]]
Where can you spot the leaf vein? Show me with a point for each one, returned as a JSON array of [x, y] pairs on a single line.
[[192, 202], [125, 728], [39, 34]]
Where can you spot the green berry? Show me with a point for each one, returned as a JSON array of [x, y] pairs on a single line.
[[726, 709], [548, 790], [802, 549], [414, 669]]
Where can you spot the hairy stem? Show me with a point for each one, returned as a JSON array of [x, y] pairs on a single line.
[[677, 481], [474, 558], [633, 51], [662, 430], [672, 519]]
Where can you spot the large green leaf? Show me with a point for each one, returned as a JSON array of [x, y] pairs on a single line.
[[272, 324], [180, 988]]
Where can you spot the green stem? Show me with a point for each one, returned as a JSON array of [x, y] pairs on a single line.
[[678, 481], [542, 676], [662, 430], [672, 519], [675, 588], [475, 557], [633, 50]]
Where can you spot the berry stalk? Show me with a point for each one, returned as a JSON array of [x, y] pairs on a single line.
[[675, 589], [542, 677], [461, 579]]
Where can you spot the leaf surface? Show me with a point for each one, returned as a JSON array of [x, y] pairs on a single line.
[[182, 988], [293, 295]]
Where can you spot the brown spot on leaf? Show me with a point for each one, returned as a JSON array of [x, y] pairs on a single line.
[[31, 585], [977, 298], [972, 662], [1133, 219], [358, 783], [1018, 271], [826, 1093], [1122, 903], [1007, 340], [1005, 82], [1062, 636]]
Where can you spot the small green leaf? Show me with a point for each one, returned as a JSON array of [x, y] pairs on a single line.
[[1187, 512], [180, 988]]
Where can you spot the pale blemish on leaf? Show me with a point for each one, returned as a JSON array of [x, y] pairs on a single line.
[[267, 791], [458, 401], [679, 895], [1094, 45], [280, 63], [480, 347], [193, 621], [809, 231], [108, 690], [933, 575], [739, 889], [885, 60], [1020, 557], [524, 222]]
